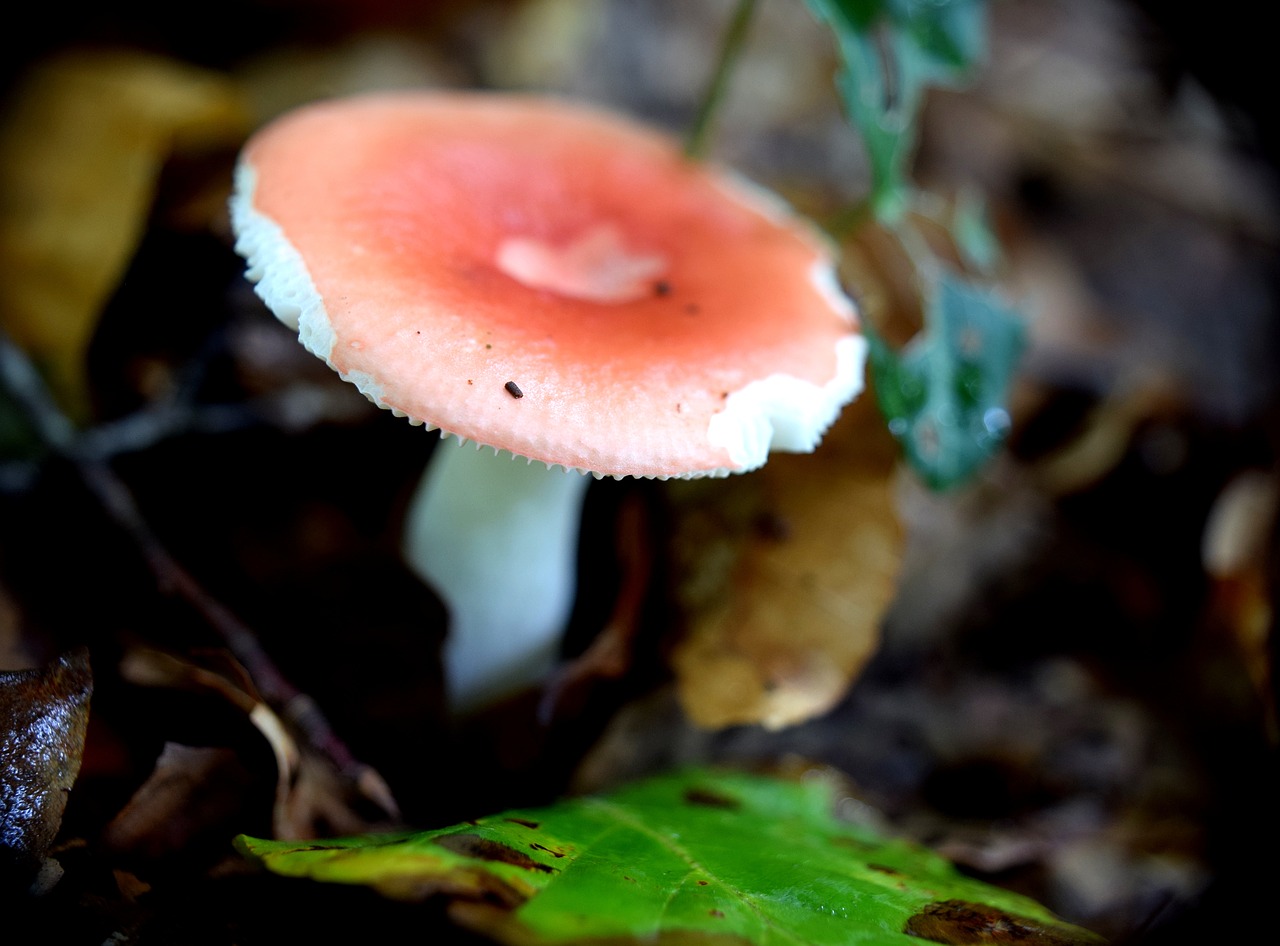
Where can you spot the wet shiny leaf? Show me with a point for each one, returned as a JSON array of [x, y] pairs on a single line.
[[43, 717], [696, 856]]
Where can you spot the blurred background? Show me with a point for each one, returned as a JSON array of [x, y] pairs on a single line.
[[1057, 674]]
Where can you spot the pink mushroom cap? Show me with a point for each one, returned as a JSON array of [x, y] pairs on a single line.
[[658, 317]]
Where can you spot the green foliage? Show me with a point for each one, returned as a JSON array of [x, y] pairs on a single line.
[[696, 856], [889, 51], [971, 232], [944, 393]]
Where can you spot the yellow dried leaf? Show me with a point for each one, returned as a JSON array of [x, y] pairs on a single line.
[[784, 575], [81, 148]]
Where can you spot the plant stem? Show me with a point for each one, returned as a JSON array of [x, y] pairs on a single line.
[[847, 221], [730, 49]]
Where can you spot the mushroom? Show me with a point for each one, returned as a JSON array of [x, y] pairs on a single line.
[[562, 288]]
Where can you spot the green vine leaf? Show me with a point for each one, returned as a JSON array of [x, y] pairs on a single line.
[[944, 394], [972, 234], [889, 51], [692, 857]]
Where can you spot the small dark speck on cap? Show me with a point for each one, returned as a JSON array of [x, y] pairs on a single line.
[[513, 389]]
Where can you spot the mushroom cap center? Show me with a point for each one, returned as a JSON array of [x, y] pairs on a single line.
[[595, 266]]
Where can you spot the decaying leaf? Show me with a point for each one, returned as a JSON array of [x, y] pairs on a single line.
[[310, 797], [194, 792], [43, 718], [693, 856], [957, 923], [784, 575], [81, 149]]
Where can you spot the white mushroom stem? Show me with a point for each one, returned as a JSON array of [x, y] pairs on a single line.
[[497, 538]]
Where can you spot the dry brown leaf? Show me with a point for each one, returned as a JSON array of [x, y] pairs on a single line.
[[311, 796], [193, 793], [81, 149], [784, 575]]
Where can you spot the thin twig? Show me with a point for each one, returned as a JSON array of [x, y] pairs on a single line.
[[730, 48], [89, 452], [27, 388]]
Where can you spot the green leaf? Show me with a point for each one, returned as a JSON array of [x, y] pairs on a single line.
[[971, 230], [890, 50], [944, 394], [696, 856]]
